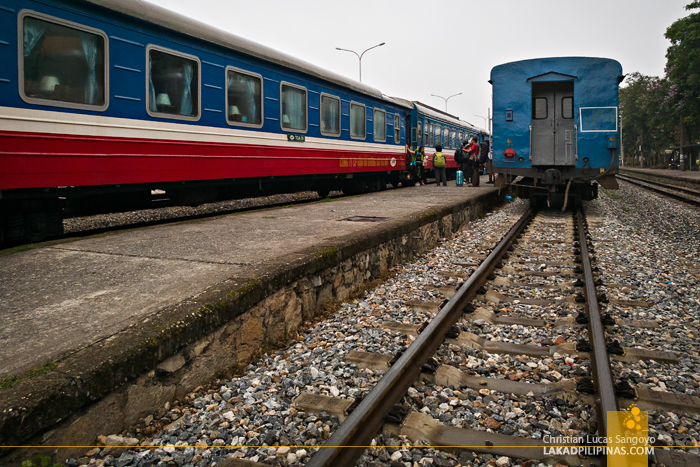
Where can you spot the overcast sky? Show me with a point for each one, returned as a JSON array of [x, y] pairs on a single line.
[[445, 47]]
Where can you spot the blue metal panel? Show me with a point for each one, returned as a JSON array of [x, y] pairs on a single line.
[[127, 41], [595, 85]]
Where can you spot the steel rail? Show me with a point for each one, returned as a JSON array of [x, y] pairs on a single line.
[[605, 397], [351, 438], [642, 183]]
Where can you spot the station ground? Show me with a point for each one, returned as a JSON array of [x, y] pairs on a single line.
[[60, 298]]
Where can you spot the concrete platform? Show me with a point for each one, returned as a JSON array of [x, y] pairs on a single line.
[[685, 179], [110, 309]]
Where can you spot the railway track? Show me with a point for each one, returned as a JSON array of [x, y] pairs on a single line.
[[686, 195], [597, 393], [503, 366]]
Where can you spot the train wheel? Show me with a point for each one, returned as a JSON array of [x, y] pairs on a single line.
[[323, 192], [40, 225]]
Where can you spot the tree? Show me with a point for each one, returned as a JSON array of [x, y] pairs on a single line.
[[683, 67], [649, 117]]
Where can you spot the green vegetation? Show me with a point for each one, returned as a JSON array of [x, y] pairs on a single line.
[[43, 461], [611, 194], [660, 113], [10, 381]]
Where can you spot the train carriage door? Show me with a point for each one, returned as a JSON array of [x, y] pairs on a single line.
[[553, 123]]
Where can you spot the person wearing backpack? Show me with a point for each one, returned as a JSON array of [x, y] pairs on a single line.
[[473, 152], [439, 163], [483, 154], [417, 164]]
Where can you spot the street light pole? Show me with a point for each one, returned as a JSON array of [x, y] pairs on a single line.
[[446, 99], [486, 125], [359, 56]]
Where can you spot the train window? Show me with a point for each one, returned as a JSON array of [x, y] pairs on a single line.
[[358, 121], [438, 134], [567, 107], [330, 115], [244, 98], [426, 139], [62, 63], [454, 139], [460, 138], [432, 135], [379, 125], [420, 131], [539, 108], [446, 134], [397, 129], [293, 107], [173, 84]]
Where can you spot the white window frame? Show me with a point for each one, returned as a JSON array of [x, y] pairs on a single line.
[[294, 130], [374, 136], [69, 24], [262, 97], [397, 128], [320, 113], [365, 119], [176, 53]]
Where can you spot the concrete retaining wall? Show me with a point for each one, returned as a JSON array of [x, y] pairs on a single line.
[[137, 372]]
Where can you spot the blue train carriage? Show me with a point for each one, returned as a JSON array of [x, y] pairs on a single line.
[[430, 127], [102, 101], [556, 125]]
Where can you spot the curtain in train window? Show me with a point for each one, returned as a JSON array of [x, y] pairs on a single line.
[[397, 129], [293, 108], [244, 98], [62, 64], [379, 125], [330, 115], [174, 81], [357, 121]]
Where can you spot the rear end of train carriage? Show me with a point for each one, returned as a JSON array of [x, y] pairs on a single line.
[[556, 127]]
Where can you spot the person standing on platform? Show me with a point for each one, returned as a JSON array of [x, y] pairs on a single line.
[[464, 162], [474, 158], [439, 163], [489, 165], [483, 154], [417, 169]]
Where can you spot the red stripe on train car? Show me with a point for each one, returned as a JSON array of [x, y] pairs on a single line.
[[32, 160]]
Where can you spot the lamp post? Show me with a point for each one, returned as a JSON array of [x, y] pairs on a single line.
[[486, 125], [446, 99], [359, 56]]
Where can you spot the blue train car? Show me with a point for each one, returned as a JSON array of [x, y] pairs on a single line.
[[430, 127], [556, 125], [102, 101]]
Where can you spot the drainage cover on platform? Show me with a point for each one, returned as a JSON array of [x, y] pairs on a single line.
[[366, 219]]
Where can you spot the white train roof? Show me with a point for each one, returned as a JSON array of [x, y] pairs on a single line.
[[427, 110], [180, 23]]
